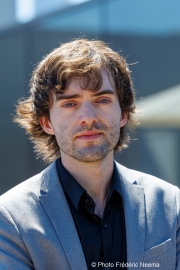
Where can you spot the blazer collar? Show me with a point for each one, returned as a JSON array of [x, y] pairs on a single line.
[[134, 209], [54, 202]]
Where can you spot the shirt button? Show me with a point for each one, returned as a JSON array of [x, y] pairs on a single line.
[[87, 200], [105, 225]]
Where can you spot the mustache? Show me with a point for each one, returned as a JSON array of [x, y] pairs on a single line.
[[92, 127]]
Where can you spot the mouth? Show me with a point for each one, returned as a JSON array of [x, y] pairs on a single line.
[[89, 135]]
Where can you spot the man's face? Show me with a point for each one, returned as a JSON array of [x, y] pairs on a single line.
[[86, 124]]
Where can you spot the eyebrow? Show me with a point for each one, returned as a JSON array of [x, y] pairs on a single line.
[[96, 94], [61, 96], [104, 92]]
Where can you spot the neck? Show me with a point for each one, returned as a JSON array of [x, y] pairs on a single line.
[[94, 177]]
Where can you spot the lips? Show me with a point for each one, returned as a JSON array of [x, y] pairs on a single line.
[[89, 135]]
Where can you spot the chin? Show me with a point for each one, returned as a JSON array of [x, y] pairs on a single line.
[[89, 155]]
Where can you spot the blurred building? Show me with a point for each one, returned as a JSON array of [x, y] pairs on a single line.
[[7, 14], [147, 34]]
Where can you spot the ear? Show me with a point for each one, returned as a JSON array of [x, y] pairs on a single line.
[[124, 119], [46, 125]]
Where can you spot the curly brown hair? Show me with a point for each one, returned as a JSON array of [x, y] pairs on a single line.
[[79, 58]]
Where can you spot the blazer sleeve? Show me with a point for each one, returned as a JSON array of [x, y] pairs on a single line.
[[178, 231], [13, 252]]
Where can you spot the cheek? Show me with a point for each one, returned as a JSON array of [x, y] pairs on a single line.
[[58, 124], [114, 118], [61, 128], [56, 120]]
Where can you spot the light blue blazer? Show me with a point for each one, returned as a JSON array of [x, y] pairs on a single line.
[[37, 230]]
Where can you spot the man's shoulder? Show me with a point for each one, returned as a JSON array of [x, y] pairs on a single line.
[[19, 196], [157, 192], [143, 179], [31, 187]]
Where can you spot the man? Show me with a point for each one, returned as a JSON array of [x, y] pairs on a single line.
[[86, 211]]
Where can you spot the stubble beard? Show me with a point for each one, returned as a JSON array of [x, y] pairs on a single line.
[[93, 151]]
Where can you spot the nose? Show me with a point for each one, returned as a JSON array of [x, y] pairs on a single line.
[[87, 114]]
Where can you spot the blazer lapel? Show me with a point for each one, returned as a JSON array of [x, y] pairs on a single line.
[[134, 209], [55, 204]]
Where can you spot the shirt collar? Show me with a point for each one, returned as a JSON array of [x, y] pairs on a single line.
[[75, 191], [72, 188], [115, 185]]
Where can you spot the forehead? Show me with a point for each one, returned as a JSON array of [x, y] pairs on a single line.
[[81, 83]]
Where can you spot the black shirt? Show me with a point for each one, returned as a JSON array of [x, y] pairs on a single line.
[[103, 240]]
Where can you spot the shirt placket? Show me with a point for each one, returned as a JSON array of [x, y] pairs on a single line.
[[107, 238]]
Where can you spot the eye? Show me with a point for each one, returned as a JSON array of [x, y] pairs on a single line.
[[69, 104], [103, 100]]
